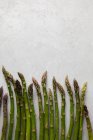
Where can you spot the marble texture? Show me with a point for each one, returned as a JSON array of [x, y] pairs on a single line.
[[52, 35]]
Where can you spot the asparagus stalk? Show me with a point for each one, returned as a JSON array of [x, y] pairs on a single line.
[[56, 114], [46, 107], [51, 116], [62, 92], [41, 112], [89, 126], [21, 122], [71, 125], [82, 109], [22, 111], [11, 124], [77, 118], [18, 116], [28, 134], [1, 96], [32, 112], [5, 118]]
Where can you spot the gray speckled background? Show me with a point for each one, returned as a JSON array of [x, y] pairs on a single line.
[[52, 35]]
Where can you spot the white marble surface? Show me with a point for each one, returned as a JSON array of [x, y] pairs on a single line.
[[52, 35]]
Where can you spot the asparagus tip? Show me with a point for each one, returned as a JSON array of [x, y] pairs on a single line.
[[67, 81], [30, 89], [18, 87], [84, 87], [10, 77], [60, 87], [54, 83], [44, 76], [6, 73], [35, 82], [66, 78], [20, 74], [3, 68], [76, 86], [50, 92]]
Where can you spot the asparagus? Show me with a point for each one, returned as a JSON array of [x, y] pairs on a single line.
[[11, 124], [1, 95], [51, 116], [41, 112], [62, 92], [18, 91], [28, 134], [32, 112], [82, 109], [20, 124], [22, 111], [71, 125], [46, 108], [89, 126], [56, 115], [77, 118], [5, 118]]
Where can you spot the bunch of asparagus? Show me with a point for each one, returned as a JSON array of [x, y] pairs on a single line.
[[49, 117]]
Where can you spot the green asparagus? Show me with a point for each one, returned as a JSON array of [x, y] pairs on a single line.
[[12, 113], [25, 128], [56, 113], [18, 116], [5, 118], [51, 116], [41, 112], [32, 112], [82, 110], [22, 111], [77, 118], [62, 92], [25, 96], [71, 125], [46, 107], [89, 126]]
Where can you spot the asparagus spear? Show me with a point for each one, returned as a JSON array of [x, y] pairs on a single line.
[[46, 107], [18, 117], [82, 109], [5, 118], [71, 125], [56, 115], [41, 112], [20, 125], [28, 134], [22, 111], [89, 126], [77, 118], [32, 112], [51, 116], [1, 95], [11, 124], [62, 92]]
